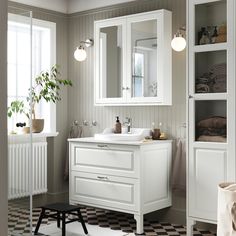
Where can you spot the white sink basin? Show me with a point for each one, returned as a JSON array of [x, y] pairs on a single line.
[[136, 134]]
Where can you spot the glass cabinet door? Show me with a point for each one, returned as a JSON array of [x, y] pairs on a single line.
[[210, 70], [211, 22], [210, 121]]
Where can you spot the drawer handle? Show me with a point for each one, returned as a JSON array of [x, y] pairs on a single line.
[[102, 145], [102, 177]]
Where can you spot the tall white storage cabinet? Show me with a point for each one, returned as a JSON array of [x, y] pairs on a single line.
[[211, 94]]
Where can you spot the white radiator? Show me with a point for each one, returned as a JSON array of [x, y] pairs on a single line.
[[19, 169]]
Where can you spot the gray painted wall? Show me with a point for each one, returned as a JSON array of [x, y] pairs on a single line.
[[3, 119], [81, 97]]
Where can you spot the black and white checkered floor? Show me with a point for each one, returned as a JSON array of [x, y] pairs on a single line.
[[18, 222]]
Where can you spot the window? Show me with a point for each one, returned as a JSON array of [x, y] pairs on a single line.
[[43, 57]]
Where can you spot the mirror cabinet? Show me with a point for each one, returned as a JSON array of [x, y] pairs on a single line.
[[133, 61]]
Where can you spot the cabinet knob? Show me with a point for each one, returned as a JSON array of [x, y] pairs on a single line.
[[190, 96]]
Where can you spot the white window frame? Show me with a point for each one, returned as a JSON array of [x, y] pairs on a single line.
[[52, 27]]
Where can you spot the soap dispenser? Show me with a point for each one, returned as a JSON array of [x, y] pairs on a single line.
[[117, 129]]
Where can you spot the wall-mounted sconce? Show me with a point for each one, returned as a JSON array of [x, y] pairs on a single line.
[[178, 43], [80, 53]]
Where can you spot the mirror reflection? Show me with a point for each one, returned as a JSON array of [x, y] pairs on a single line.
[[144, 58], [111, 61]]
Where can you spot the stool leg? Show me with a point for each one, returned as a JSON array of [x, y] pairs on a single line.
[[39, 221], [63, 224], [58, 219], [82, 222]]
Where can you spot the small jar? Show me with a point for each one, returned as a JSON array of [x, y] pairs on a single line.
[[156, 134]]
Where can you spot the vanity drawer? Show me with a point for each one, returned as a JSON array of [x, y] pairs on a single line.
[[104, 190], [104, 159]]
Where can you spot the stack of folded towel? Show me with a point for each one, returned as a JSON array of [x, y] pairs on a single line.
[[212, 129], [213, 81]]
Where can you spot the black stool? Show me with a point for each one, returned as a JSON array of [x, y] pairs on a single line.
[[61, 210]]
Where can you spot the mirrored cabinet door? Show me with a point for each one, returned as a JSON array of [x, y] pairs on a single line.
[[133, 63], [144, 58], [111, 61], [110, 46], [149, 36]]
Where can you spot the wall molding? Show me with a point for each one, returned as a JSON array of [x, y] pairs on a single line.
[[119, 6], [15, 7]]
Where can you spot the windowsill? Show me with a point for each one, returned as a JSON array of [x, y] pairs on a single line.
[[24, 137]]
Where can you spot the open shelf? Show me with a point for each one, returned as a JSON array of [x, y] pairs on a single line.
[[210, 47], [210, 96]]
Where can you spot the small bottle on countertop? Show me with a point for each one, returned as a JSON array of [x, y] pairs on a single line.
[[117, 129], [163, 132], [155, 132]]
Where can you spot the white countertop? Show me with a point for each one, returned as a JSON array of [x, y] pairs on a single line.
[[138, 143]]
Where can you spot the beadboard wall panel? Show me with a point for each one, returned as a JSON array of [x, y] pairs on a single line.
[[81, 96]]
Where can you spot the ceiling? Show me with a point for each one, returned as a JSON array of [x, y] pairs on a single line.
[[71, 6]]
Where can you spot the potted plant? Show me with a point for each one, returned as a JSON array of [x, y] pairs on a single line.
[[46, 86]]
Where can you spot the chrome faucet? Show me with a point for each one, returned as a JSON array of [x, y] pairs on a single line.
[[128, 123]]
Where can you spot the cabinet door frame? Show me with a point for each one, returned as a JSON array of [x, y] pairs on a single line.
[[164, 57], [196, 183]]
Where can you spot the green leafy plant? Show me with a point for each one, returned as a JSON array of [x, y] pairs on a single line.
[[47, 86], [17, 107]]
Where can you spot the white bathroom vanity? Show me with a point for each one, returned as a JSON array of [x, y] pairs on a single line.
[[125, 176]]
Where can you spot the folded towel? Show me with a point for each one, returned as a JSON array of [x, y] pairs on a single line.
[[207, 138], [213, 122], [214, 80], [202, 88], [218, 69], [212, 131], [219, 87]]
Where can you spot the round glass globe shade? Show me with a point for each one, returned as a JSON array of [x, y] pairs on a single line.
[[80, 54], [178, 43]]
